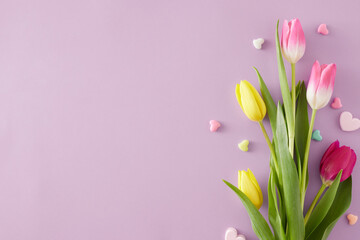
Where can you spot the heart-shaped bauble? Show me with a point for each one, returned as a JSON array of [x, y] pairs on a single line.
[[352, 218], [348, 123], [258, 43], [244, 145], [316, 135], [232, 234], [214, 125], [336, 104], [323, 29]]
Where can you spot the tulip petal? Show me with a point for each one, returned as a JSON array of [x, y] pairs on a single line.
[[239, 179], [249, 103], [238, 95], [256, 184], [335, 145], [327, 78], [338, 160], [313, 84], [285, 34], [314, 76], [350, 166], [250, 187], [322, 97], [260, 102]]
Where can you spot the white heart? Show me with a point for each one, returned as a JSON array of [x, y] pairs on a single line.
[[258, 43], [348, 123], [231, 234]]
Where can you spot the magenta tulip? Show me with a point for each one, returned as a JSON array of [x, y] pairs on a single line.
[[292, 40], [336, 158], [321, 85]]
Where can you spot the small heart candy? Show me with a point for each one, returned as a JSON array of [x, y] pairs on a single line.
[[336, 104], [258, 43], [243, 146], [348, 123], [214, 125], [231, 234], [316, 135], [323, 29], [352, 219]]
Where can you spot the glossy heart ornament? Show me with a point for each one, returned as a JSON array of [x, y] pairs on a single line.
[[336, 104], [323, 29], [316, 135], [231, 234], [258, 43], [244, 145], [214, 125], [348, 123], [352, 218]]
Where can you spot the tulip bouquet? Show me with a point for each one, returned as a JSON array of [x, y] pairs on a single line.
[[289, 150]]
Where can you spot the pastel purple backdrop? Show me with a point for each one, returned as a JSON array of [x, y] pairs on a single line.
[[104, 111]]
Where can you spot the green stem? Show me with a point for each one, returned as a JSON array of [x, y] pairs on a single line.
[[293, 100], [271, 147], [306, 159], [316, 199]]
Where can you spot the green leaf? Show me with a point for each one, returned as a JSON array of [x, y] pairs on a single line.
[[274, 216], [269, 102], [339, 206], [302, 121], [279, 187], [285, 91], [322, 207], [290, 181], [301, 127], [298, 85], [298, 159], [258, 222]]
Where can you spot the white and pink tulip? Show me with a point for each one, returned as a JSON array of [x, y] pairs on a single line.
[[292, 41], [321, 85]]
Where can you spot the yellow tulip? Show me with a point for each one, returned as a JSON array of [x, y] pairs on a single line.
[[250, 187], [250, 101]]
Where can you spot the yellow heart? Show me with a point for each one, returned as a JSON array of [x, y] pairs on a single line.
[[243, 146]]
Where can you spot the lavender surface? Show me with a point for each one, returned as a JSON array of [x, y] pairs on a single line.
[[104, 111]]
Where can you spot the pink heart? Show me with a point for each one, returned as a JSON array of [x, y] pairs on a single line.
[[348, 123], [323, 29], [336, 103], [214, 125], [352, 218], [231, 234]]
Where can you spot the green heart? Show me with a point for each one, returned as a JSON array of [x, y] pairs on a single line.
[[316, 135], [243, 146]]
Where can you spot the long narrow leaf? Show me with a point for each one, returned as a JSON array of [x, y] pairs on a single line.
[[301, 127], [285, 91], [258, 222], [269, 102], [274, 216], [339, 206], [323, 206], [302, 121], [290, 181]]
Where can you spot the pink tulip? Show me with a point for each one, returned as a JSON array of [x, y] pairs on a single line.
[[321, 85], [336, 158], [292, 40]]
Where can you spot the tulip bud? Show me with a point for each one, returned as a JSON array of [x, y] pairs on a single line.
[[250, 101], [250, 187], [321, 85], [292, 40], [336, 158]]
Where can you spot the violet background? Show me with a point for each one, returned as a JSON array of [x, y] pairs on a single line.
[[104, 111]]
